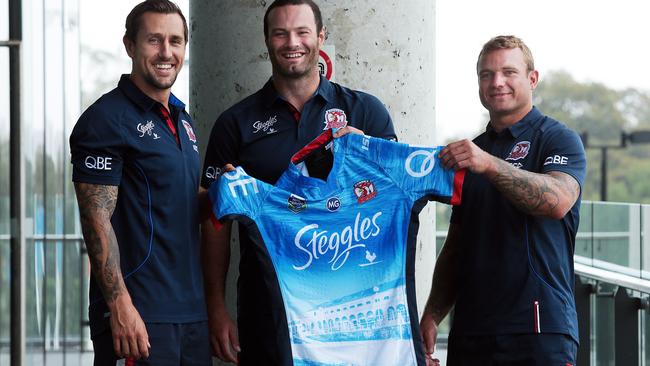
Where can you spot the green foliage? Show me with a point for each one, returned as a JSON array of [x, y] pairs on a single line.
[[603, 113]]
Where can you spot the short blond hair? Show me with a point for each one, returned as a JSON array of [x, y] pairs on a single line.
[[507, 43]]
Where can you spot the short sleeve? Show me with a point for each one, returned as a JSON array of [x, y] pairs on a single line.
[[222, 148], [236, 193], [378, 122], [564, 152], [418, 171], [96, 148]]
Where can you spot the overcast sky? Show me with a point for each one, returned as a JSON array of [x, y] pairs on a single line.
[[597, 40], [594, 40]]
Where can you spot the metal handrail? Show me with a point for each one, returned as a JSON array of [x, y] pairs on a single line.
[[614, 278]]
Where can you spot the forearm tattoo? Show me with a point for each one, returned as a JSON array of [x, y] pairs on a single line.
[[533, 193], [96, 205]]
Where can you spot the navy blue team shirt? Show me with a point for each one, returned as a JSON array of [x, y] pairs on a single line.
[[122, 140], [261, 133], [516, 271]]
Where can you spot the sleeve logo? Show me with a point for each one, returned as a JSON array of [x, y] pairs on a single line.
[[296, 203], [519, 151], [234, 177], [425, 166], [98, 163]]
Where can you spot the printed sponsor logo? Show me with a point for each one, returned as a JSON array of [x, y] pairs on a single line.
[[147, 129], [335, 247], [189, 130], [296, 203], [426, 164], [333, 204], [519, 151], [98, 162], [517, 165], [212, 172], [265, 126], [371, 258], [364, 190], [335, 118], [365, 143], [557, 160], [235, 177]]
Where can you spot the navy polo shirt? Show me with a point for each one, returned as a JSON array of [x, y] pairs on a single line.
[[515, 274], [122, 140], [261, 134]]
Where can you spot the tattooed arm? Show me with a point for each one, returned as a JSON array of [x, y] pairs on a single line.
[[96, 205], [550, 195]]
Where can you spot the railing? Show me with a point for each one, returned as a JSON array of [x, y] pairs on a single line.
[[612, 265]]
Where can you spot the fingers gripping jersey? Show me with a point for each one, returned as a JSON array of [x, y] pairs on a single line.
[[342, 249]]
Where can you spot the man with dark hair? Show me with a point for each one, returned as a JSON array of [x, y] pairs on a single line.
[[507, 263], [260, 134], [136, 174]]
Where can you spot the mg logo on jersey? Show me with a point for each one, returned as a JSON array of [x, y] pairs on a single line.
[[364, 190], [519, 151], [425, 162], [335, 247], [235, 177], [189, 130], [335, 118], [333, 204]]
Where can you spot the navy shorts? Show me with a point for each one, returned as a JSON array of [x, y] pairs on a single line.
[[172, 344], [546, 349]]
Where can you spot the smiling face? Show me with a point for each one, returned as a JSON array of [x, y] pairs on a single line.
[[157, 53], [293, 41], [506, 85]]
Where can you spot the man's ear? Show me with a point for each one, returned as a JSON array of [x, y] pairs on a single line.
[[129, 46], [533, 78], [321, 37]]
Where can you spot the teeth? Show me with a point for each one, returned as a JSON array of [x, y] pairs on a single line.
[[293, 55], [163, 66]]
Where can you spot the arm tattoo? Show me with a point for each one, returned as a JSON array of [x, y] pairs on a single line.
[[96, 205], [534, 193]]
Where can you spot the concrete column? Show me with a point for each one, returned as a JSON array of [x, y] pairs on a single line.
[[382, 47]]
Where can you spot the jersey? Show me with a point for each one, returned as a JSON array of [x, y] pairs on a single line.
[[123, 140], [343, 248]]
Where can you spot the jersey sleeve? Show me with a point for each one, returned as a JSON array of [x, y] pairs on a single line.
[[97, 148], [236, 194], [222, 148], [564, 152], [419, 172]]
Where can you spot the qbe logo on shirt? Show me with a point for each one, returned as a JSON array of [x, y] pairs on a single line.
[[98, 162], [420, 163]]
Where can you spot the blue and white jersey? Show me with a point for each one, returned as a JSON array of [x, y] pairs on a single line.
[[343, 249]]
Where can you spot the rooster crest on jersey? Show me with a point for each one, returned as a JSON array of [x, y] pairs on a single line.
[[519, 151], [364, 190], [189, 130], [335, 118]]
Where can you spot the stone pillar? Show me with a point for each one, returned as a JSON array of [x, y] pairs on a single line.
[[383, 47]]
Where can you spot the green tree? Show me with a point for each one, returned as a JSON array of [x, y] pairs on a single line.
[[604, 113]]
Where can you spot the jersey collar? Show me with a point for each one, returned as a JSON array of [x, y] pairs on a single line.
[[516, 130], [270, 95], [128, 87]]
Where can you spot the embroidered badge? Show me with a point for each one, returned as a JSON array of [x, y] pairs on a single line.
[[519, 151], [189, 130], [296, 203], [335, 118]]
